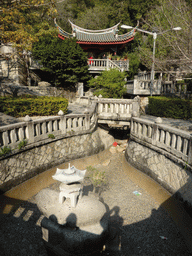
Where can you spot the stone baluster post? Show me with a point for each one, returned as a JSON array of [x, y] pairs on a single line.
[[190, 152], [135, 109], [63, 124], [13, 136], [5, 138], [30, 131], [107, 64], [87, 122], [155, 132]]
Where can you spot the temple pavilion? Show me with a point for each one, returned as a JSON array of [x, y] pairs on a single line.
[[96, 41]]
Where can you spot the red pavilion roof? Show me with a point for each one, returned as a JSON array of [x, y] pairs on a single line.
[[103, 37]]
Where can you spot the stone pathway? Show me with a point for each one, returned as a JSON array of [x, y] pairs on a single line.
[[185, 125]]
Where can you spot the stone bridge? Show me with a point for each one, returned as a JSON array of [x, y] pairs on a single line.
[[38, 131]]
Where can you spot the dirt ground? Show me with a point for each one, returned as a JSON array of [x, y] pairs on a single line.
[[144, 227]]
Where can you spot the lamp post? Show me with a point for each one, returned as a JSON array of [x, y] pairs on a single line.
[[154, 34]]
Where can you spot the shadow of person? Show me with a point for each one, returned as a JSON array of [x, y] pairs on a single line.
[[115, 223], [68, 239]]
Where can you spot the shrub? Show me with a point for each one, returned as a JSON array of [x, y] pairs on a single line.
[[97, 177], [110, 84], [170, 107], [32, 106]]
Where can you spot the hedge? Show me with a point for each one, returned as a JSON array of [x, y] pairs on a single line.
[[170, 107], [32, 106]]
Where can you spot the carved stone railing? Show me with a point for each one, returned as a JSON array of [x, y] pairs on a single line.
[[141, 85], [37, 132], [117, 109], [172, 142], [98, 65]]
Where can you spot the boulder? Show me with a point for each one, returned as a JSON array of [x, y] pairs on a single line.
[[43, 83]]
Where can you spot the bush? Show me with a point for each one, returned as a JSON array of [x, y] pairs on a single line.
[[110, 84], [170, 107], [97, 177], [32, 106]]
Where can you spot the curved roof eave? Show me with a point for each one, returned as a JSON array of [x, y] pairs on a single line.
[[105, 36]]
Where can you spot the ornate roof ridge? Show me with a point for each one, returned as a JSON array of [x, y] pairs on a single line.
[[66, 34], [100, 37], [93, 31]]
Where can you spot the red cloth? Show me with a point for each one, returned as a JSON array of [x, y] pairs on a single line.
[[90, 62]]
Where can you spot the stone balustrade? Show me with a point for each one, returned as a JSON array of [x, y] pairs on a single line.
[[98, 65], [172, 142], [117, 109], [37, 131], [141, 85]]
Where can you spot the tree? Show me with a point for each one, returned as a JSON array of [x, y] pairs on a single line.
[[174, 48], [22, 22], [65, 60], [110, 84], [134, 62]]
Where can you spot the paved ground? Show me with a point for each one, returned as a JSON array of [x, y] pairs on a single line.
[[177, 123]]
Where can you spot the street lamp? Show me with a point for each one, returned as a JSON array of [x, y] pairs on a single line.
[[154, 34]]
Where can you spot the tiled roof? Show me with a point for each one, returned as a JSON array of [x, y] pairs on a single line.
[[106, 36]]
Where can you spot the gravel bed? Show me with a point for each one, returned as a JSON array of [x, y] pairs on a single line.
[[144, 227]]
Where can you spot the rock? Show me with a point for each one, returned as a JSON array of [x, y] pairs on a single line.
[[43, 83], [113, 150], [106, 163], [120, 149], [106, 138]]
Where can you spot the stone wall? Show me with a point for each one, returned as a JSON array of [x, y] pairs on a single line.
[[53, 91], [175, 177], [19, 167]]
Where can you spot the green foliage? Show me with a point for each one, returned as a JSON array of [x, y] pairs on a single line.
[[5, 150], [22, 22], [97, 177], [170, 107], [134, 63], [32, 106], [51, 136], [22, 144], [99, 14], [110, 84], [64, 59]]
